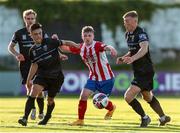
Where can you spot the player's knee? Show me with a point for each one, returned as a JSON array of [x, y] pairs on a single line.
[[147, 98], [41, 95], [28, 91], [33, 93], [50, 100], [127, 98], [83, 97]]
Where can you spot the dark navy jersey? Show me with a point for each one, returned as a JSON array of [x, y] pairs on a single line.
[[144, 64], [23, 39], [25, 42], [47, 57]]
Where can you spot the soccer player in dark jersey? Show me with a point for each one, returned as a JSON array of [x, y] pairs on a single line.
[[139, 57], [24, 40], [46, 67]]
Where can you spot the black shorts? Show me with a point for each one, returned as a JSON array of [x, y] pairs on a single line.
[[24, 71], [51, 85], [24, 75], [144, 82]]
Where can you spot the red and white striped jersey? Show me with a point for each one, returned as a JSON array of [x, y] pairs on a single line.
[[94, 56]]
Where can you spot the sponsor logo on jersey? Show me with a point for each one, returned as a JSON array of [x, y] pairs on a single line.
[[142, 36], [24, 37]]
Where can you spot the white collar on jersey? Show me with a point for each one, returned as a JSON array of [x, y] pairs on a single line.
[[93, 43]]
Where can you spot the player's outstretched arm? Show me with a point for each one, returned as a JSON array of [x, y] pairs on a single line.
[[65, 46], [70, 43], [111, 49], [69, 46]]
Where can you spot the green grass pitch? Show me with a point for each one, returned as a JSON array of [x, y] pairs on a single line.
[[124, 118]]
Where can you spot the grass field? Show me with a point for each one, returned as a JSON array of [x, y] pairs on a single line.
[[124, 119]]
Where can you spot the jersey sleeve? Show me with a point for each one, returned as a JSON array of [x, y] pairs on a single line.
[[15, 38], [100, 46], [143, 37], [57, 43], [75, 50]]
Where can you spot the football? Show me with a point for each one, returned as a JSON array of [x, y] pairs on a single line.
[[100, 100]]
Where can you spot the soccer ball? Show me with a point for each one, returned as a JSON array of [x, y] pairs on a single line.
[[100, 100]]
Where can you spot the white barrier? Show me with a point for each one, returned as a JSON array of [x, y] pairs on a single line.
[[10, 83]]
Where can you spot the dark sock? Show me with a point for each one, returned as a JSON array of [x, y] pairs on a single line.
[[28, 106], [137, 107], [33, 107], [40, 102], [50, 109], [155, 105]]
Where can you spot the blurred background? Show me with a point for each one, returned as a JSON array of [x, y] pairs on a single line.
[[160, 18]]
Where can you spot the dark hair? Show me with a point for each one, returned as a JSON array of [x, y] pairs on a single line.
[[35, 26], [87, 29], [132, 14]]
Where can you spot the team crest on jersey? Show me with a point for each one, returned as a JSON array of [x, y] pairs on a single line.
[[24, 37], [45, 47]]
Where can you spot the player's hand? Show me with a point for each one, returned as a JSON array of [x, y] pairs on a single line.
[[128, 60], [20, 57], [119, 60], [63, 57], [29, 85], [113, 52], [55, 36]]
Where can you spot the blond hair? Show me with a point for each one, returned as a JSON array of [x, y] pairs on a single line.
[[132, 14], [87, 29], [29, 11]]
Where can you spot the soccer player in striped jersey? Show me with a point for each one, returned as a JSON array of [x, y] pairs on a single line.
[[101, 77]]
